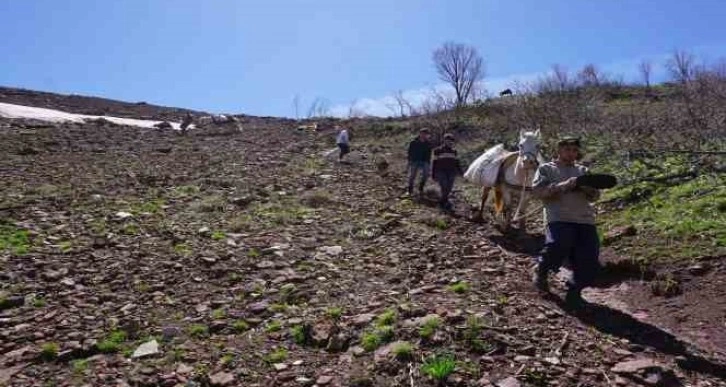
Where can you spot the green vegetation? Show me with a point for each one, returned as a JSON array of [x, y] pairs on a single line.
[[113, 342], [49, 351], [198, 330], [218, 235], [277, 356], [460, 287], [688, 218], [219, 314], [429, 327], [298, 334], [370, 341], [334, 312], [439, 367], [274, 326], [38, 302], [240, 326], [13, 239], [80, 366], [388, 317], [402, 350]]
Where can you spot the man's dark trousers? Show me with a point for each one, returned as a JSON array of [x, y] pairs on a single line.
[[574, 241]]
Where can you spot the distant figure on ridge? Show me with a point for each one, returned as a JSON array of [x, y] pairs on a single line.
[[446, 168], [343, 142], [188, 120], [419, 160]]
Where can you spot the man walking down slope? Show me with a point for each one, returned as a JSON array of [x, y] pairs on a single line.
[[446, 168], [570, 218], [419, 160]]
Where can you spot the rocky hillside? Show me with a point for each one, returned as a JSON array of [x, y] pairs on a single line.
[[223, 258]]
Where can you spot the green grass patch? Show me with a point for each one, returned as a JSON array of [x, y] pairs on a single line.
[[388, 317], [460, 287], [79, 366], [298, 334], [439, 367], [13, 239], [402, 350], [198, 330], [49, 351], [429, 326], [240, 326], [277, 356], [334, 312], [112, 342], [680, 221], [273, 326], [218, 235]]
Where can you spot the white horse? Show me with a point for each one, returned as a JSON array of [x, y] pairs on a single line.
[[515, 177]]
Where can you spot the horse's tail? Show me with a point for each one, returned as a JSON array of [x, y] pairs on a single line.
[[498, 200]]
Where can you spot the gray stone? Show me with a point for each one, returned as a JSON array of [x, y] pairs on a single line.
[[147, 349], [509, 382]]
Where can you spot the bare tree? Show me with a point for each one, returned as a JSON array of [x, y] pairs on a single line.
[[461, 67], [646, 69], [403, 104], [319, 108], [682, 66], [590, 76], [296, 104], [354, 111]]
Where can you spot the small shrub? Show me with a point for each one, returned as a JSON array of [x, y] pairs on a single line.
[[277, 356], [218, 235], [665, 285], [460, 287], [182, 249], [370, 341], [38, 302], [14, 240], [299, 334], [240, 326], [385, 332], [273, 326], [80, 366], [219, 314], [49, 351], [388, 317], [279, 308], [334, 312], [402, 350], [439, 367], [112, 343], [429, 327], [198, 330]]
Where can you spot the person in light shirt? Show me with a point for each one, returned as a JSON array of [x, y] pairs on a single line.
[[343, 142], [570, 217]]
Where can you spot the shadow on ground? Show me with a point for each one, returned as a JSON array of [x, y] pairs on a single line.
[[623, 325]]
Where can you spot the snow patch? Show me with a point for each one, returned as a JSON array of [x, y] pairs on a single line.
[[8, 110]]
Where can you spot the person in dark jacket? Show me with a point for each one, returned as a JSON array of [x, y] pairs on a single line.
[[419, 160], [446, 168]]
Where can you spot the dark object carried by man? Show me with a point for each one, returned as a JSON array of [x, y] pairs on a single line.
[[597, 180]]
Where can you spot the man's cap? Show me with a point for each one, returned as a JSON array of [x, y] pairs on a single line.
[[448, 136], [569, 140], [424, 130]]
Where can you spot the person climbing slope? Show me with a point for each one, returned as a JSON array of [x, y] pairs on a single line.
[[446, 168]]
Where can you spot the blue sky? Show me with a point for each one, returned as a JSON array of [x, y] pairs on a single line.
[[254, 56]]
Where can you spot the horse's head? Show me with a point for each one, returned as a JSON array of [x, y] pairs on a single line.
[[528, 149]]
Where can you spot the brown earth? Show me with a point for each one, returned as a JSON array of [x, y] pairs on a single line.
[[226, 247]]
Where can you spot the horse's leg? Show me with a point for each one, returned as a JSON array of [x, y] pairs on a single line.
[[521, 217], [484, 196]]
